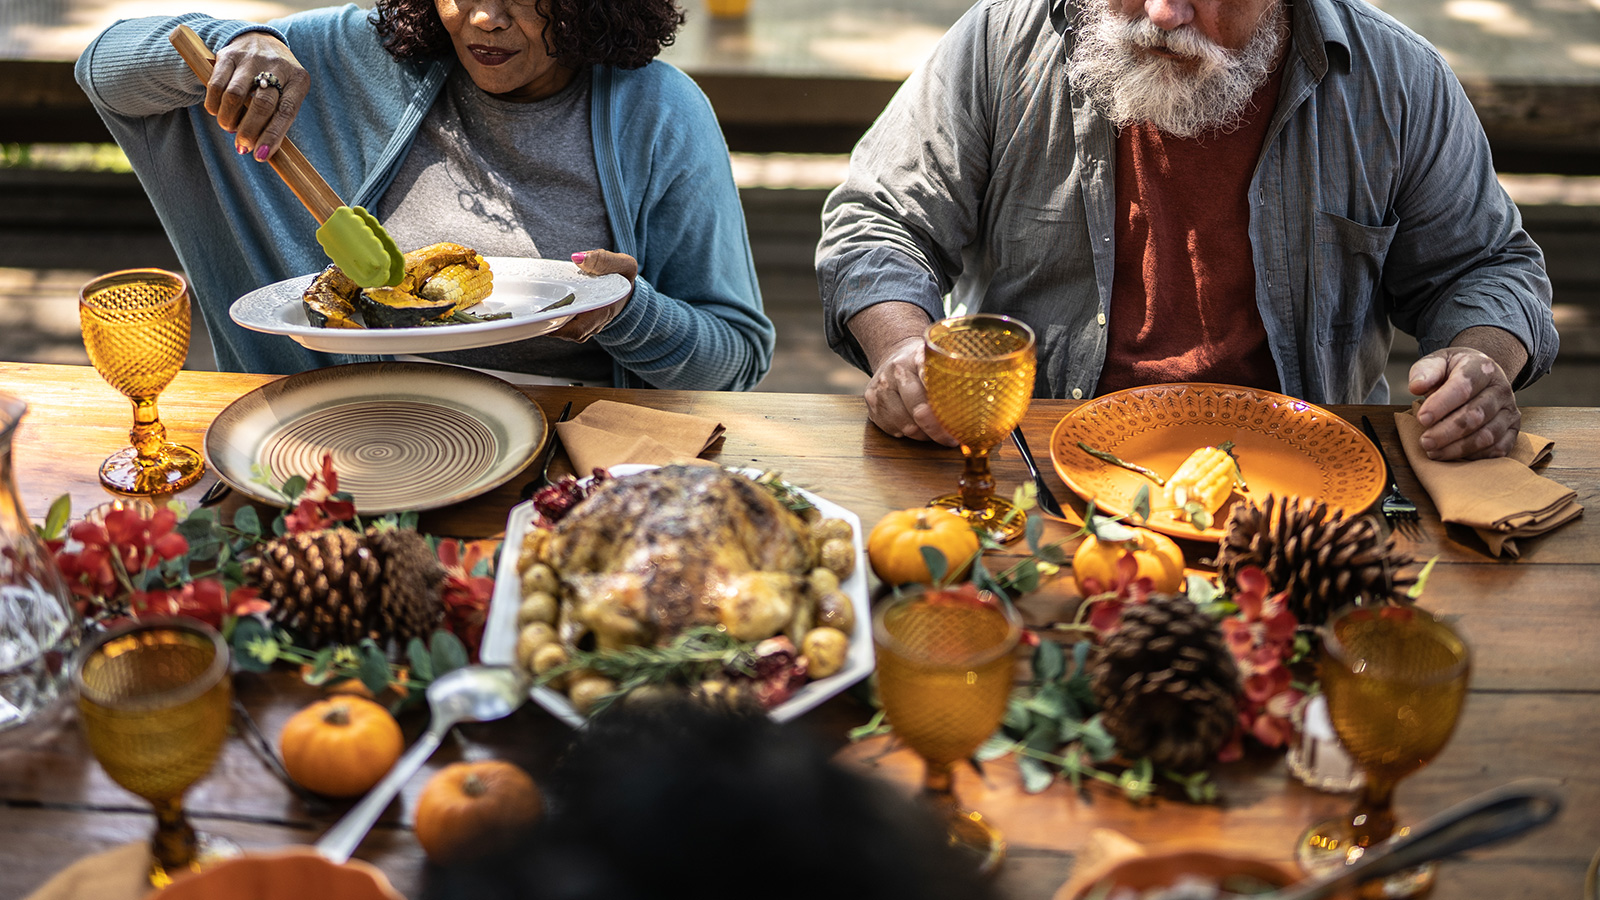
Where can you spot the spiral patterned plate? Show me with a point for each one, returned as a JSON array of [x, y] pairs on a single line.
[[404, 436], [1284, 446]]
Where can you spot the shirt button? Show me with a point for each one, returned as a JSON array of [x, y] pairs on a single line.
[[1077, 393], [1101, 318]]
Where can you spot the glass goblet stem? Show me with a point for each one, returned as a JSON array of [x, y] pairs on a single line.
[[174, 843], [148, 435], [1373, 821], [977, 484]]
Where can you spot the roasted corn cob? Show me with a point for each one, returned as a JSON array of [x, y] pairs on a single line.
[[463, 285], [1202, 484]]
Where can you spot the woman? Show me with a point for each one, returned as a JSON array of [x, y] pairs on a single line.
[[516, 127]]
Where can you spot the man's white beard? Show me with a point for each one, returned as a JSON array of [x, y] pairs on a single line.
[[1208, 91]]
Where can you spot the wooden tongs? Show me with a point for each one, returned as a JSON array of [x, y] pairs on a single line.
[[350, 236]]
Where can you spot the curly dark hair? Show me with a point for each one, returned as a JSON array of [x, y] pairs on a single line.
[[622, 33]]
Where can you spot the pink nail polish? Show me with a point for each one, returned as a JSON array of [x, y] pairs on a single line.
[[578, 258], [262, 152], [240, 149]]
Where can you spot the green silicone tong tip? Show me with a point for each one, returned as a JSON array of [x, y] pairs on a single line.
[[361, 248]]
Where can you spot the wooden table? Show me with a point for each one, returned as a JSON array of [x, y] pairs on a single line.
[[1534, 710]]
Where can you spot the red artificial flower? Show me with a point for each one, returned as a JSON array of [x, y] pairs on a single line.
[[1261, 638], [114, 554], [1106, 602], [466, 596], [316, 507]]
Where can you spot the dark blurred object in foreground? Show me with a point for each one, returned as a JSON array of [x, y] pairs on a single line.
[[673, 799]]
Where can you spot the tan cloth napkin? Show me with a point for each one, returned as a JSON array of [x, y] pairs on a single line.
[[115, 874], [1501, 499], [607, 433]]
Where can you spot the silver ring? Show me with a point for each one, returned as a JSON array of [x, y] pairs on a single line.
[[269, 80]]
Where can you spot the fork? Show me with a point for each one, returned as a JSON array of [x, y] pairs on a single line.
[[1047, 501], [1397, 507]]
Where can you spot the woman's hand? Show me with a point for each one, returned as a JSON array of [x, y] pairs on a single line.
[[583, 326], [258, 117]]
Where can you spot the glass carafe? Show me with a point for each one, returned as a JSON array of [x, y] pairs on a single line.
[[38, 626]]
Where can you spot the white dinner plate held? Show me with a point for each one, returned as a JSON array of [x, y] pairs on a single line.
[[500, 631], [525, 288]]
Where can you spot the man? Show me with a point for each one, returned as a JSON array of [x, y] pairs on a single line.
[[1244, 191]]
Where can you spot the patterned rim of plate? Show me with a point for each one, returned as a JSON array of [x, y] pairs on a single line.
[[404, 436], [1304, 439]]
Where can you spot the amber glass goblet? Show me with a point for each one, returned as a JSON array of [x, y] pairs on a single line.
[[978, 371], [155, 698], [945, 669], [136, 329], [1396, 679]]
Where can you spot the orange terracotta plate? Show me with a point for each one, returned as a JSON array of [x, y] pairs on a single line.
[[1284, 446]]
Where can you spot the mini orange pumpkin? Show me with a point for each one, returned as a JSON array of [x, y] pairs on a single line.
[[469, 809], [895, 545], [340, 746], [1154, 554]]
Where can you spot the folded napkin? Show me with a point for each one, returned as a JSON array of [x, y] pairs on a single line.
[[115, 874], [607, 433], [1501, 499]]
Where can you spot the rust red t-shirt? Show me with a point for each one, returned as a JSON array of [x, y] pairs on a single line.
[[1183, 294]]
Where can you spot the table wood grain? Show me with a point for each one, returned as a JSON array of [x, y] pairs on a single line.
[[1534, 709]]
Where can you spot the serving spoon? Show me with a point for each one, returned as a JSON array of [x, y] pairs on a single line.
[[468, 694], [1491, 816]]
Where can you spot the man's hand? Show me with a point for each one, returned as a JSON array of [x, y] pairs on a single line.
[[584, 326], [1471, 412], [897, 402]]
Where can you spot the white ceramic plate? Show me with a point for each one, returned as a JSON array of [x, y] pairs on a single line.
[[404, 436], [500, 632], [522, 287]]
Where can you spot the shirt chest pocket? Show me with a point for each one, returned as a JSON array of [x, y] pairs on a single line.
[[1348, 268]]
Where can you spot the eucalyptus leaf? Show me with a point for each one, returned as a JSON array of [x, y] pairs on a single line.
[[247, 521], [1097, 742], [1141, 503], [251, 642], [1018, 716], [294, 487], [937, 565], [1110, 531], [421, 660], [373, 667], [320, 666], [447, 652], [999, 744], [1049, 661], [1049, 702], [1036, 776], [1202, 590], [1034, 531], [1026, 577]]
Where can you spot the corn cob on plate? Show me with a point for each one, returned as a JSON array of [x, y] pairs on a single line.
[[530, 290]]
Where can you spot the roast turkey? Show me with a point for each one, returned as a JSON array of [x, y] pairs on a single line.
[[654, 553]]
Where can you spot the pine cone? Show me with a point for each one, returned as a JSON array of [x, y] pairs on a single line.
[[339, 586], [1167, 683], [1322, 559]]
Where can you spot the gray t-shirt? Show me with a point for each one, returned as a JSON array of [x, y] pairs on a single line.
[[506, 179]]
